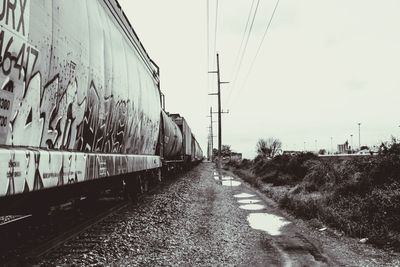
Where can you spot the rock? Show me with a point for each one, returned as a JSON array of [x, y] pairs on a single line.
[[363, 240]]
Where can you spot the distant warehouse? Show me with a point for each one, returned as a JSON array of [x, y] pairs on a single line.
[[236, 156]]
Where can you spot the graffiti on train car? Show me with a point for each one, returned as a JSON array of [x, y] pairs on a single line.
[[47, 100], [17, 62], [69, 123], [32, 170], [16, 55], [60, 106], [13, 14]]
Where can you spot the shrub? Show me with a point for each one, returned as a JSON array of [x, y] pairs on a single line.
[[292, 167], [360, 196], [303, 206], [317, 176]]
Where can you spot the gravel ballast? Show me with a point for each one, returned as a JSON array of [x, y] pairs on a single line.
[[197, 220], [191, 221]]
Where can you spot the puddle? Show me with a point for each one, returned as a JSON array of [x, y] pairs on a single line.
[[216, 178], [216, 173], [252, 207], [269, 223], [226, 178], [243, 195], [248, 201], [231, 183]]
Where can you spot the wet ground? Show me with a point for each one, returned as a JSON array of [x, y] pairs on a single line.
[[290, 247], [203, 218]]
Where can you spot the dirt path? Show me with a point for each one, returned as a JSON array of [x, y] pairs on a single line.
[[202, 219]]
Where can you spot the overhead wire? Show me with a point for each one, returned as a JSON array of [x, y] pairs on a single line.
[[245, 47], [244, 33], [208, 43], [259, 46], [261, 43], [241, 43], [215, 31], [208, 34]]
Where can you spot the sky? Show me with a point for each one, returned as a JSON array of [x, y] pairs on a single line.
[[324, 66]]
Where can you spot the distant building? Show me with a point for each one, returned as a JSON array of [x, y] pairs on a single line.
[[291, 152], [236, 156], [344, 148]]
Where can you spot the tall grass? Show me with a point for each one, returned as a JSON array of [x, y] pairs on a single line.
[[359, 196]]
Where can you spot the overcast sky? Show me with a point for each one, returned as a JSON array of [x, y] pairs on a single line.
[[323, 67]]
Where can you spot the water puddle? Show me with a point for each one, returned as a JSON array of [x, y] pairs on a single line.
[[252, 207], [231, 183], [243, 195], [248, 201], [269, 223], [227, 178]]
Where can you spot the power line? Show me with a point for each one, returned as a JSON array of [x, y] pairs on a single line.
[[244, 33], [208, 34], [261, 43], [245, 46], [216, 29], [241, 43], [208, 43]]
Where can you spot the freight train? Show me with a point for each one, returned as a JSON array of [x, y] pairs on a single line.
[[80, 105]]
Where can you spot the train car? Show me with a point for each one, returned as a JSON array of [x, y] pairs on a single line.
[[187, 137], [199, 156], [172, 139], [79, 99], [181, 148], [197, 152]]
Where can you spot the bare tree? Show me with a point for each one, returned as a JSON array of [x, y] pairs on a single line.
[[226, 151], [269, 147]]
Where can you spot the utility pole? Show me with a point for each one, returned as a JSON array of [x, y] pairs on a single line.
[[209, 148], [220, 112], [211, 134], [331, 144], [209, 144]]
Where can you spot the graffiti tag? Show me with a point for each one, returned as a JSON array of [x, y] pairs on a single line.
[[13, 14]]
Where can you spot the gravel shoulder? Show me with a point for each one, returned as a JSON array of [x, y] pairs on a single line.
[[196, 221], [342, 250], [192, 221]]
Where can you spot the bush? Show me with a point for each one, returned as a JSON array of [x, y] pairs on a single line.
[[359, 196], [292, 167], [302, 206], [375, 215]]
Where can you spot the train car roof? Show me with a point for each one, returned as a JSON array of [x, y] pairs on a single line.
[[127, 28]]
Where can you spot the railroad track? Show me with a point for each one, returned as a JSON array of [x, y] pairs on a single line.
[[34, 247], [37, 236], [13, 222], [75, 231]]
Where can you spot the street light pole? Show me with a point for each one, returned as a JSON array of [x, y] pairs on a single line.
[[351, 137], [359, 135]]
